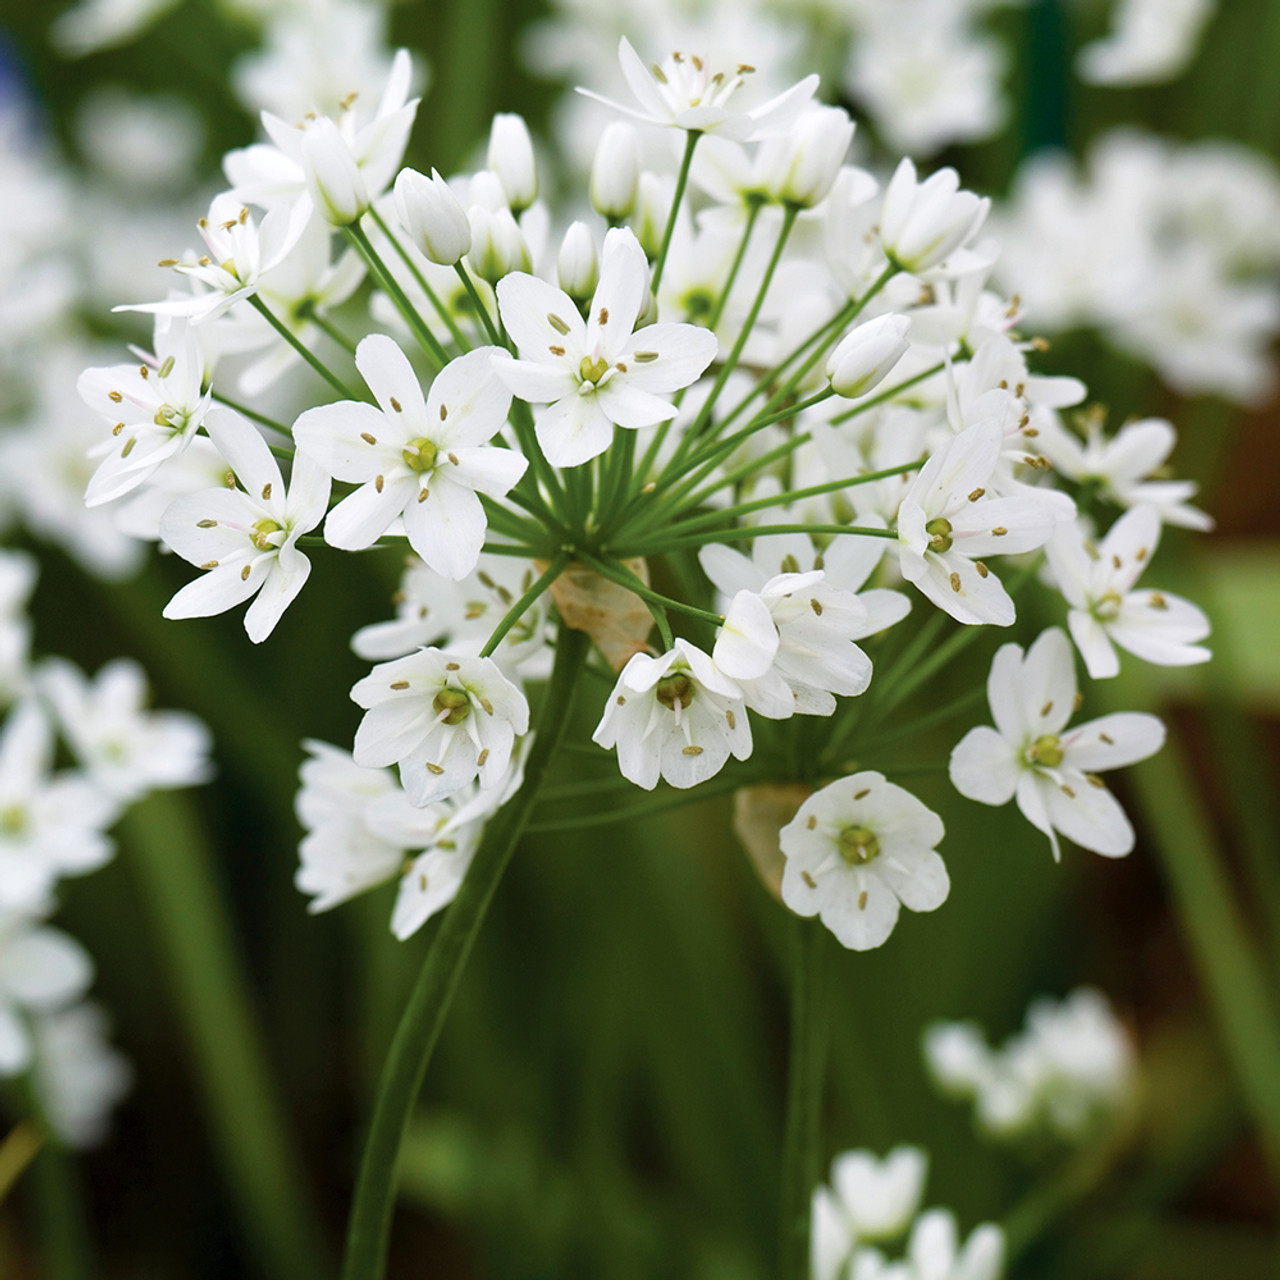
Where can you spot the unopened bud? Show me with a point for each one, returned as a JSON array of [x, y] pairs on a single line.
[[436, 223], [497, 244], [867, 354], [334, 178], [510, 156], [801, 166], [577, 267], [615, 172], [923, 223], [653, 206]]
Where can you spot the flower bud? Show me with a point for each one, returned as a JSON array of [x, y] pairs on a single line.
[[615, 171], [923, 223], [653, 206], [436, 223], [497, 244], [801, 166], [486, 190], [510, 156], [867, 354], [577, 267], [334, 178]]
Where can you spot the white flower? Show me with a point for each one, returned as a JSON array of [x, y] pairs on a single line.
[[1030, 753], [79, 1075], [578, 266], [596, 374], [879, 1198], [789, 646], [858, 849], [935, 1253], [429, 211], [41, 969], [677, 717], [1151, 41], [865, 355], [346, 164], [17, 580], [155, 409], [443, 719], [1105, 609], [946, 521], [239, 253], [615, 171], [922, 224], [50, 826], [125, 749], [245, 539], [800, 166], [510, 156], [341, 855], [421, 458], [685, 92], [1122, 466]]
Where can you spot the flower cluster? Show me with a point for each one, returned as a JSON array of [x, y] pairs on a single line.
[[871, 1202], [768, 379], [1069, 1073]]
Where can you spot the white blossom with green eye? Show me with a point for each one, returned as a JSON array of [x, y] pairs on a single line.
[[857, 851], [1033, 756], [444, 720], [596, 373], [1107, 611], [675, 717]]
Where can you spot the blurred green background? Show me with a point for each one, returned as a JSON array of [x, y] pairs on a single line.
[[607, 1097]]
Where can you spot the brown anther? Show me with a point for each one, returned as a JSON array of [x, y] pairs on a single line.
[[114, 396], [862, 900], [244, 573], [1140, 555], [444, 412], [603, 317], [808, 879], [1158, 601], [209, 564], [999, 531], [1116, 562], [206, 524], [117, 429], [434, 768], [451, 666], [976, 494], [620, 700], [863, 794], [812, 822], [1048, 706], [367, 438], [167, 262], [556, 323], [1095, 781], [128, 446], [658, 74], [453, 457], [1110, 741], [487, 705], [621, 368], [955, 582], [378, 482], [482, 757], [982, 569], [266, 492], [730, 719], [691, 751], [422, 494], [395, 404], [1066, 791], [556, 351], [697, 62], [400, 684]]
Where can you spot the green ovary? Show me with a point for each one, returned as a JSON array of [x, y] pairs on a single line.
[[419, 455], [452, 705], [858, 845]]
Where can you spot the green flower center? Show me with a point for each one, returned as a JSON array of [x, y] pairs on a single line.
[[674, 688], [698, 303], [1046, 750], [858, 845], [419, 455], [262, 531], [939, 532], [590, 370], [452, 705]]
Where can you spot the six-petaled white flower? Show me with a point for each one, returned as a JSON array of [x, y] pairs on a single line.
[[1050, 769], [421, 458], [856, 851], [592, 375], [246, 539]]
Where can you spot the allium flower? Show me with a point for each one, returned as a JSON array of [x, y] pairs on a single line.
[[1031, 754], [421, 458], [125, 749], [866, 355], [79, 1075], [596, 374], [677, 717], [240, 253], [934, 1252], [1105, 609], [431, 214], [922, 224], [444, 720], [246, 539], [684, 92], [50, 825], [946, 521], [856, 851], [789, 646], [1152, 41], [155, 409], [41, 969]]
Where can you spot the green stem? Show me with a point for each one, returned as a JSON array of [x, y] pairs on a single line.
[[252, 414], [482, 312], [891, 393], [54, 1180], [327, 326], [691, 141], [748, 532], [318, 365], [753, 212], [419, 1029], [432, 297], [637, 812], [805, 1080], [200, 959], [417, 325], [521, 606]]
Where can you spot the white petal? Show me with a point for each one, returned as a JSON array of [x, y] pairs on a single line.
[[362, 517], [246, 452], [1090, 815], [447, 530], [1113, 741], [573, 431], [747, 643], [278, 592], [985, 767], [468, 401], [539, 316], [683, 353]]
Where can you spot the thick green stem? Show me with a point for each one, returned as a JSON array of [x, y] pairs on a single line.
[[805, 1079], [173, 865], [419, 1029], [295, 342], [691, 141]]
